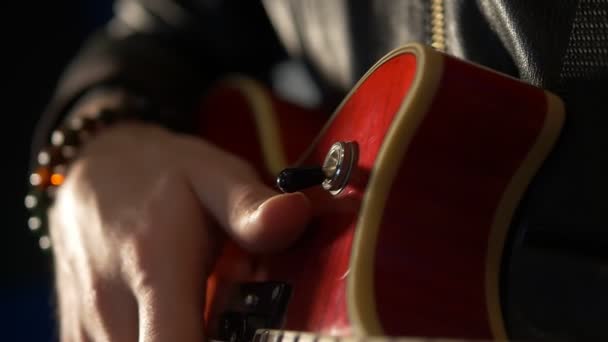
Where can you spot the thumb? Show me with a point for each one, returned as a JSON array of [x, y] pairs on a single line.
[[256, 216]]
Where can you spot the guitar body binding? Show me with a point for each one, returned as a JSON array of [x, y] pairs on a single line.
[[412, 243]]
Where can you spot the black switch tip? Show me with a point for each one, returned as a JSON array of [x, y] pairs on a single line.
[[296, 179]]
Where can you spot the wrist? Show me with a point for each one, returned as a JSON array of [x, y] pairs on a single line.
[[92, 114]]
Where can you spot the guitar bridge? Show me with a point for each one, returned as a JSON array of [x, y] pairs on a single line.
[[255, 305]]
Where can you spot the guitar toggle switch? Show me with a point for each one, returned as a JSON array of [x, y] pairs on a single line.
[[333, 175]]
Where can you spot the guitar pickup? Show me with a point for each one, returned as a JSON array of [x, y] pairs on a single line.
[[255, 305]]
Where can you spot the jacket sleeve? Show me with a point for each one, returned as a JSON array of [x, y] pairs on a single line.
[[166, 50]]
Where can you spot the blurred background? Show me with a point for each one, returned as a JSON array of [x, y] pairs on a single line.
[[42, 37]]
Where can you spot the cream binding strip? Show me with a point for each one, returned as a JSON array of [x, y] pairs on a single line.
[[265, 119], [361, 305], [554, 119], [360, 287]]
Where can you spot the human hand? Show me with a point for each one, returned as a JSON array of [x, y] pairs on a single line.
[[136, 226]]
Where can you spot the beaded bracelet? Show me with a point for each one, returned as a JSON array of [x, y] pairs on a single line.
[[97, 110]]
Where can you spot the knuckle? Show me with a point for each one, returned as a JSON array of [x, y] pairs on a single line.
[[169, 180]]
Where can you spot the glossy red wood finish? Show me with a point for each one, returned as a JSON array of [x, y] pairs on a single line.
[[317, 266], [429, 262], [364, 118], [432, 248], [226, 106]]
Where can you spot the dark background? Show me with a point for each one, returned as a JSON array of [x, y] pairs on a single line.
[[40, 39]]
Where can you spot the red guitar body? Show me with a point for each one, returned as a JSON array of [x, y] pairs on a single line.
[[412, 246]]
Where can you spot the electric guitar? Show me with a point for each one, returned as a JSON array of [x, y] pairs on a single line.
[[420, 169]]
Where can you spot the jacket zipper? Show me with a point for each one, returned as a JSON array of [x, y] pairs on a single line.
[[437, 25]]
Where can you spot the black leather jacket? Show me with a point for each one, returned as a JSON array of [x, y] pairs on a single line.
[[555, 275]]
